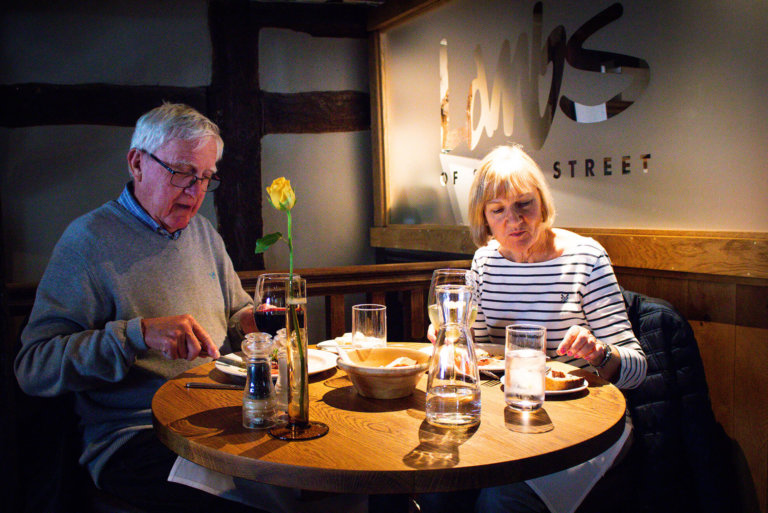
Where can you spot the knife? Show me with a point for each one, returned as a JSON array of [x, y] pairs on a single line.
[[232, 361], [220, 386]]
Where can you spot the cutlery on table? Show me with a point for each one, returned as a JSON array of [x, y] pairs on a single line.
[[493, 379], [232, 361], [219, 386]]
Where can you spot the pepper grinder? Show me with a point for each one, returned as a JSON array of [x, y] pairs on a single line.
[[259, 396]]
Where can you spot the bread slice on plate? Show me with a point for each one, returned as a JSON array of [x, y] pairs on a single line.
[[558, 380]]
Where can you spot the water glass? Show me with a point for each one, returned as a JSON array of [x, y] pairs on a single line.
[[525, 363], [369, 326]]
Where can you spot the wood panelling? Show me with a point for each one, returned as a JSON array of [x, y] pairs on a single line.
[[742, 254], [423, 237], [722, 253], [750, 407], [716, 345]]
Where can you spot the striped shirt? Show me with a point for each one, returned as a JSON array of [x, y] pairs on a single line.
[[577, 288]]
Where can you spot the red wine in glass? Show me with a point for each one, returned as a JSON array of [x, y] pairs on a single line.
[[269, 319]]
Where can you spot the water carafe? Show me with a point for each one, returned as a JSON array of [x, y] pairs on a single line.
[[453, 385], [259, 399]]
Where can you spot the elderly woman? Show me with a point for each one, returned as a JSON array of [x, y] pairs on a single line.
[[529, 272]]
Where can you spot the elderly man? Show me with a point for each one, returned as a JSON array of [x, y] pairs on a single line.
[[136, 292]]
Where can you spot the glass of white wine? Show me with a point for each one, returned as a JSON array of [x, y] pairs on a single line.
[[451, 277]]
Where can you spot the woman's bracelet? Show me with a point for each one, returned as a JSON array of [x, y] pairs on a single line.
[[606, 356]]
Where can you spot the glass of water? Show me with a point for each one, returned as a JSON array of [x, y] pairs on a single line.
[[525, 363], [369, 326]]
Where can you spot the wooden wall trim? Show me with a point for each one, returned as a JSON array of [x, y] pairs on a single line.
[[319, 20], [36, 104], [743, 254], [315, 112], [394, 12], [236, 108], [736, 254], [423, 237], [370, 278], [377, 83]]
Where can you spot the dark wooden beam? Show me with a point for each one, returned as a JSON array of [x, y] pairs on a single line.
[[235, 105], [321, 20], [35, 104], [316, 112]]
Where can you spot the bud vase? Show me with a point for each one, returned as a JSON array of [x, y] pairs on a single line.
[[298, 426]]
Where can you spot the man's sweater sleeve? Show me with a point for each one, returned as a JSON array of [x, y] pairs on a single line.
[[68, 345]]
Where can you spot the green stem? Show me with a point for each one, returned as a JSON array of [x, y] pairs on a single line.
[[295, 319], [302, 357], [290, 247]]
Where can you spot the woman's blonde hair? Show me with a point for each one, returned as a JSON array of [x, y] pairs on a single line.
[[504, 170]]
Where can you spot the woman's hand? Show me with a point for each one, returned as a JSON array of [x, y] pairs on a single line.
[[579, 342], [431, 335]]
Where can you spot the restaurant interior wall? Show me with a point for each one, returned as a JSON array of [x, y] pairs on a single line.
[[52, 174]]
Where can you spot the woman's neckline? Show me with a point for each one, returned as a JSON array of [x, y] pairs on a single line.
[[560, 244]]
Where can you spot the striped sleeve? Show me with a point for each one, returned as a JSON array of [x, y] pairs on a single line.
[[479, 328], [606, 316]]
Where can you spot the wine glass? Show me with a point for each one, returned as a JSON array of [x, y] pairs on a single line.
[[450, 277], [269, 302]]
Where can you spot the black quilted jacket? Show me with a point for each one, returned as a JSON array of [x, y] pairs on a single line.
[[677, 458]]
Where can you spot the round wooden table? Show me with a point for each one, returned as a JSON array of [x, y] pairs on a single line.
[[386, 446]]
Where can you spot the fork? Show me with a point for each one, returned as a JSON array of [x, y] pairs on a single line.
[[492, 380]]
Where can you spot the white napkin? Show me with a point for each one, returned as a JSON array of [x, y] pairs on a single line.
[[263, 496], [563, 491], [345, 339]]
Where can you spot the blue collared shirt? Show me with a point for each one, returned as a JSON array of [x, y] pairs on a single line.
[[128, 200]]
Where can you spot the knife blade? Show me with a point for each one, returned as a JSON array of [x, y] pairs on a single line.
[[232, 361], [219, 386]]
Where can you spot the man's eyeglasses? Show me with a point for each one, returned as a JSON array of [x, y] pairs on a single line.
[[186, 180]]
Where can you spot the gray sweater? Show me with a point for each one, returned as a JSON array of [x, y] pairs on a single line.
[[107, 272]]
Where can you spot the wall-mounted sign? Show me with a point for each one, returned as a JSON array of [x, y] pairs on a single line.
[[516, 84], [571, 82]]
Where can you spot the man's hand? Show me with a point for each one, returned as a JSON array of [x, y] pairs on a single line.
[[177, 337], [247, 322]]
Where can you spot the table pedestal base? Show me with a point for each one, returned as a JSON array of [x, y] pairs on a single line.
[[308, 431]]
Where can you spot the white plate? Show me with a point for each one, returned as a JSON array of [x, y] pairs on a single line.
[[491, 349], [579, 388], [330, 346], [319, 361], [583, 386]]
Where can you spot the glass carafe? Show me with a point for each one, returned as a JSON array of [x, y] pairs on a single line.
[[453, 385], [259, 396]]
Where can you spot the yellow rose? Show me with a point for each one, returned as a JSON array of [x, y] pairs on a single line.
[[281, 194]]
